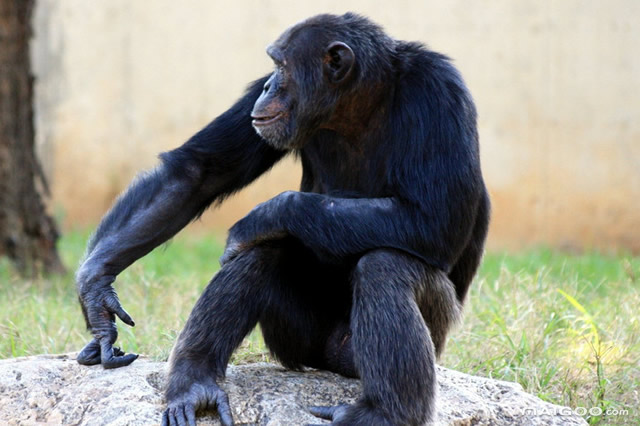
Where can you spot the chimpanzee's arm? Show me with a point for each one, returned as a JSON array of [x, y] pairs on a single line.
[[336, 228], [220, 159]]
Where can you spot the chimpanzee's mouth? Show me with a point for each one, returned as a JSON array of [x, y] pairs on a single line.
[[265, 120]]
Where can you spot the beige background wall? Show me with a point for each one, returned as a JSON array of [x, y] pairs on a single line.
[[557, 85]]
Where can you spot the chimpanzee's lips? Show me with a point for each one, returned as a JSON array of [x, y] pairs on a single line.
[[264, 120]]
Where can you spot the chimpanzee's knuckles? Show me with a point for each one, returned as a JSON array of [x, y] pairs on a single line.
[[90, 354]]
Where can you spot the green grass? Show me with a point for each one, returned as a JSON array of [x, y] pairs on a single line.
[[564, 326]]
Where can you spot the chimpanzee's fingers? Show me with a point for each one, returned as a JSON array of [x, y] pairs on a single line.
[[231, 250], [190, 411], [109, 359], [181, 414], [178, 415], [90, 354], [113, 305], [227, 256], [118, 361], [224, 409]]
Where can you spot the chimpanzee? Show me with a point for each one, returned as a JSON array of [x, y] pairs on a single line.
[[363, 270]]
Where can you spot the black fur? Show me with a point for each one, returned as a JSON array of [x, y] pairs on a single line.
[[362, 271]]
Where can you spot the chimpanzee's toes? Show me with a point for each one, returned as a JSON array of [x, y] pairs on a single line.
[[334, 413]]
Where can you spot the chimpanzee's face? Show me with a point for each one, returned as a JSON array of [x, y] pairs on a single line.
[[304, 88]]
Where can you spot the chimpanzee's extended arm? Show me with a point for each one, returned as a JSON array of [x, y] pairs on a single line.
[[220, 159]]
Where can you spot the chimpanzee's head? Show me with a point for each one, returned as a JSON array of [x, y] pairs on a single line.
[[321, 63]]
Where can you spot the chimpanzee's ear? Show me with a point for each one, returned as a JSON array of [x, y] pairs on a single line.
[[339, 61]]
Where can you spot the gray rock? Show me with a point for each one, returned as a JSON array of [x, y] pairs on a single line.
[[56, 390]]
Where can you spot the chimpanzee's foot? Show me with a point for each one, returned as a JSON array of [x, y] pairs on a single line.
[[334, 413], [338, 352]]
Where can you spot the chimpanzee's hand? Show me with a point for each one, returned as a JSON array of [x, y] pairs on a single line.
[[182, 410], [265, 222], [100, 305], [231, 250]]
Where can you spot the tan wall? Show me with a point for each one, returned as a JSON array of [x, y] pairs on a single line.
[[557, 85]]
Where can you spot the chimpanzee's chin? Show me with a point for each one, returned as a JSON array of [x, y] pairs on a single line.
[[278, 137]]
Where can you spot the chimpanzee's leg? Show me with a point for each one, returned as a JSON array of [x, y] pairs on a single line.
[[392, 346], [261, 283], [227, 310]]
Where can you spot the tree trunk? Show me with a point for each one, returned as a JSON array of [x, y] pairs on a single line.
[[28, 234]]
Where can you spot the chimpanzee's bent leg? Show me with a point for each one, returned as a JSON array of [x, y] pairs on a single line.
[[281, 284], [226, 312], [392, 346]]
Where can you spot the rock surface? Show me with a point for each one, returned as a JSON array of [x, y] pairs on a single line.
[[54, 389]]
